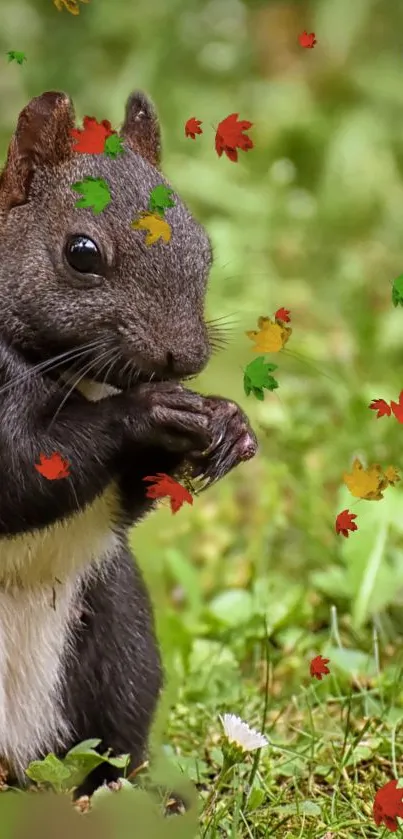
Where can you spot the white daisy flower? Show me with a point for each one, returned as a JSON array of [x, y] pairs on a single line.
[[238, 732]]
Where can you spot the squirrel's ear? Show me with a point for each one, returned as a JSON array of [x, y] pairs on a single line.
[[42, 138], [141, 128]]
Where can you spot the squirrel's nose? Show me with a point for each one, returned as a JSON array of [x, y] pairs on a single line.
[[186, 364]]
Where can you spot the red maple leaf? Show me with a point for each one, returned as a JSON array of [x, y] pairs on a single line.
[[229, 137], [345, 522], [53, 467], [192, 127], [283, 315], [91, 138], [384, 410], [307, 41], [318, 667], [165, 485], [388, 805], [397, 407]]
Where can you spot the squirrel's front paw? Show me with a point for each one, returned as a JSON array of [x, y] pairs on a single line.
[[166, 414], [232, 440]]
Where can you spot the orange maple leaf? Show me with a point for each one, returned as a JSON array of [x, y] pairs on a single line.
[[165, 485], [318, 667], [192, 127], [54, 467], [370, 483], [397, 407], [156, 227], [345, 522], [365, 483], [71, 5], [388, 804], [229, 137], [384, 410], [271, 336], [91, 138], [391, 476]]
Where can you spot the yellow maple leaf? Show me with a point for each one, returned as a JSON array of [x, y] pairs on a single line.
[[71, 5], [365, 483], [157, 227], [391, 475], [271, 337]]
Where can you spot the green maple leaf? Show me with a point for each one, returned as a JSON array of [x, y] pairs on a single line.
[[113, 146], [95, 192], [19, 57], [397, 291], [160, 199], [257, 376]]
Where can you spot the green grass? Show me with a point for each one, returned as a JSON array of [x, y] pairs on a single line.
[[239, 633]]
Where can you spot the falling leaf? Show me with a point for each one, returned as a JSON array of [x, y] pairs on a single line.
[[160, 199], [391, 476], [271, 337], [192, 127], [397, 291], [388, 805], [91, 138], [283, 315], [257, 376], [19, 57], [345, 522], [165, 485], [365, 483], [381, 406], [229, 136], [397, 407], [71, 5], [95, 192], [307, 41], [157, 227], [318, 667], [53, 467], [113, 145]]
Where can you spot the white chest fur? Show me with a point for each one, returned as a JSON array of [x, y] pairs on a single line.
[[32, 637], [62, 549], [37, 621]]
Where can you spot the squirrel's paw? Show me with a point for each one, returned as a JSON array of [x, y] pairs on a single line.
[[166, 414], [232, 441]]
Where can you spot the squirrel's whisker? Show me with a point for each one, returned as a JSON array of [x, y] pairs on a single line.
[[223, 318], [51, 363], [114, 359], [72, 369], [127, 367], [77, 381]]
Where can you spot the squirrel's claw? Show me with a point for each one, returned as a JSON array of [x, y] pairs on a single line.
[[233, 442]]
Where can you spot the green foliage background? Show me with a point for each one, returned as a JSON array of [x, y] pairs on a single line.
[[311, 219]]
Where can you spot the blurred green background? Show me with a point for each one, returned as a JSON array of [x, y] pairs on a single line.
[[311, 219]]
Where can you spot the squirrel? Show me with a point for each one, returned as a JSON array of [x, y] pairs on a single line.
[[98, 334]]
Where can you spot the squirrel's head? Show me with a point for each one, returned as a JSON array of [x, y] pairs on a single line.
[[70, 278]]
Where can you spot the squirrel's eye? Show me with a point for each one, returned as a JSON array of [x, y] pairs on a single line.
[[84, 256]]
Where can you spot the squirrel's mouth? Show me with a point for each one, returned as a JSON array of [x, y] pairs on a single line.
[[124, 379], [125, 374], [122, 374], [95, 390], [117, 381]]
